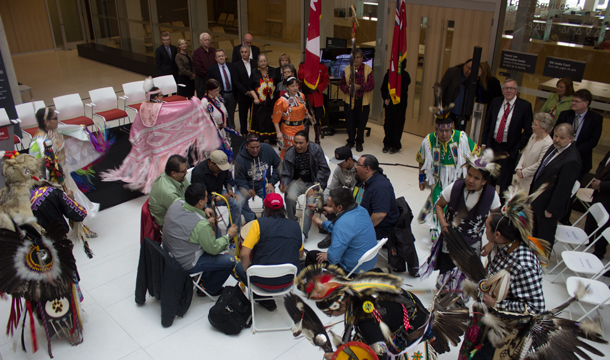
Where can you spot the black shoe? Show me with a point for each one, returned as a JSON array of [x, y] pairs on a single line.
[[414, 272], [268, 304], [385, 149], [349, 145], [359, 148], [325, 244], [322, 231], [394, 150]]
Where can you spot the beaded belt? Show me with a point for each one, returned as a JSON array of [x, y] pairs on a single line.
[[293, 123]]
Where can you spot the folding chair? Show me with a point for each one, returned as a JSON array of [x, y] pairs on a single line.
[[196, 278], [268, 271], [106, 101], [582, 262], [133, 95], [71, 111], [598, 294], [168, 86], [369, 255], [26, 113]]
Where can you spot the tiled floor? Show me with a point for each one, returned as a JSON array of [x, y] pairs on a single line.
[[117, 328]]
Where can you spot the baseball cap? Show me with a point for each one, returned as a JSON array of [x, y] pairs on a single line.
[[273, 201], [219, 158], [341, 154]]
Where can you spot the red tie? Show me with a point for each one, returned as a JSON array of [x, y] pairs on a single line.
[[500, 134], [227, 85]]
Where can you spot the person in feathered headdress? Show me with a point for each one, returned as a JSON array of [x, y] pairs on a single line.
[[441, 157], [465, 203], [377, 313]]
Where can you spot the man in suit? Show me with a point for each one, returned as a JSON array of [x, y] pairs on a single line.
[[203, 57], [226, 74], [559, 169], [246, 41], [508, 127], [587, 125], [165, 56], [601, 194], [245, 66]]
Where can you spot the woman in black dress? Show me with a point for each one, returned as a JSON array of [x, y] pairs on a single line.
[[264, 80]]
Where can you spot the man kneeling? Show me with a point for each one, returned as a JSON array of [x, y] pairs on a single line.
[[188, 236], [272, 239]]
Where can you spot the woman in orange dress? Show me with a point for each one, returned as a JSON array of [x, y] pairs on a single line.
[[289, 110]]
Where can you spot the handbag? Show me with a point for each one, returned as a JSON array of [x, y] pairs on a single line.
[[231, 312]]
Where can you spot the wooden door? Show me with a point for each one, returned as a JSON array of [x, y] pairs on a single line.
[[445, 38]]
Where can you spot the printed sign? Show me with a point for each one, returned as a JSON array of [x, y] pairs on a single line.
[[4, 134], [558, 68], [515, 60]]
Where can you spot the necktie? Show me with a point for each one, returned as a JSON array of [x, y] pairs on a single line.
[[576, 122], [169, 52], [500, 133], [226, 78], [546, 161]]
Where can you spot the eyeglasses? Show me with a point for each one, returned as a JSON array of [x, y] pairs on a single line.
[[361, 165], [577, 101], [509, 88]]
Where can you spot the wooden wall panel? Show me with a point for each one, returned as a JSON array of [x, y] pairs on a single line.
[[7, 21], [30, 30]]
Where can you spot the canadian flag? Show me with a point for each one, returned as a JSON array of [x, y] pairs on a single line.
[[312, 55]]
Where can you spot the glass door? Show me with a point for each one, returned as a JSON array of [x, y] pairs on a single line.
[[67, 23]]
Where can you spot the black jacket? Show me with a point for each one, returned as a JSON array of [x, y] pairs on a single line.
[[237, 56], [165, 64], [603, 195], [164, 279], [588, 138], [244, 80], [215, 72], [404, 90], [450, 84], [519, 129], [560, 174], [494, 89], [317, 164], [203, 175], [401, 242]]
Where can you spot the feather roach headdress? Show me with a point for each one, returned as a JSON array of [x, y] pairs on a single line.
[[441, 113], [485, 162]]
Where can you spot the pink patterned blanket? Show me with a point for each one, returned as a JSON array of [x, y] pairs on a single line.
[[180, 125]]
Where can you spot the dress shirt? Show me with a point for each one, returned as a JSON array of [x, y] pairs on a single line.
[[508, 118], [248, 67]]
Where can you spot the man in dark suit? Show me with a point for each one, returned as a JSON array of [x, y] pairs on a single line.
[[601, 194], [508, 127], [559, 169], [247, 41], [245, 67], [226, 74], [587, 126], [165, 56]]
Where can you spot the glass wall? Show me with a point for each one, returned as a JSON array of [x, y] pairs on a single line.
[[547, 40]]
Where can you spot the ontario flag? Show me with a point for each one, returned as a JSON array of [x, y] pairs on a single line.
[[312, 54], [399, 51]]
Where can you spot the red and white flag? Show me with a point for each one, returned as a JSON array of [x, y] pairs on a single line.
[[399, 51], [312, 54]]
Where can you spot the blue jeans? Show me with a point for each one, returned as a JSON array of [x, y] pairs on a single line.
[[235, 212], [244, 198], [295, 189], [216, 270]]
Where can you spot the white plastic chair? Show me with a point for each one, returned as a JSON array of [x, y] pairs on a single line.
[[268, 271], [598, 294], [4, 120], [26, 112], [196, 278], [575, 188], [71, 111], [133, 95], [583, 262], [106, 104], [168, 86], [585, 195], [369, 255], [574, 236]]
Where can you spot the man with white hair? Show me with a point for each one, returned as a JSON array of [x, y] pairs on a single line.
[[246, 41], [203, 57]]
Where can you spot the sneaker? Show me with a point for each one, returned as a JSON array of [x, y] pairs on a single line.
[[322, 231], [267, 304], [325, 244], [359, 148], [394, 150], [385, 149]]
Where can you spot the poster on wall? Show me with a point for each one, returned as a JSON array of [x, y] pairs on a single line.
[[6, 96], [558, 68], [520, 61]]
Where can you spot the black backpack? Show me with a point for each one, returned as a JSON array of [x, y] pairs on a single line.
[[232, 311]]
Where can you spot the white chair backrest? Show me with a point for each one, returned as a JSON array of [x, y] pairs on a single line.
[[189, 174], [69, 106], [166, 83], [369, 255], [272, 271], [27, 114], [599, 213], [103, 98], [39, 105], [4, 120], [575, 187], [134, 92]]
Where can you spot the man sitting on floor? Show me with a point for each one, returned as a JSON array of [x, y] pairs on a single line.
[[352, 232], [271, 240], [188, 236]]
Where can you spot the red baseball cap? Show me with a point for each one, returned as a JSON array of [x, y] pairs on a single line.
[[273, 201]]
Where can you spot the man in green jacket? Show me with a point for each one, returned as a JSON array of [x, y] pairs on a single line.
[[189, 237]]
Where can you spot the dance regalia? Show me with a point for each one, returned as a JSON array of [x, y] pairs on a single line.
[[260, 116], [218, 113], [290, 111], [159, 131], [443, 165]]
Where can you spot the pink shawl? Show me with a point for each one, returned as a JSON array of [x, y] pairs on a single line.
[[179, 126]]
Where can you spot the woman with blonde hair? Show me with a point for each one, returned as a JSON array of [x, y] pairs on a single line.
[[534, 151], [186, 74], [561, 100]]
